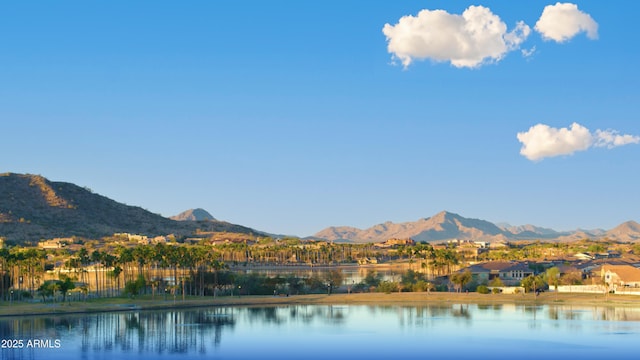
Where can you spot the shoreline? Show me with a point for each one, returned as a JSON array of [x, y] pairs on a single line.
[[392, 299]]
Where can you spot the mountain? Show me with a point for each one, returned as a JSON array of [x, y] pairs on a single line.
[[448, 226], [528, 230], [442, 226], [627, 231], [33, 208], [193, 215]]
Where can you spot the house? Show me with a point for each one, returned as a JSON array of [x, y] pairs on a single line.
[[620, 275], [597, 256], [510, 273], [471, 250], [592, 269], [583, 256], [394, 243], [57, 243]]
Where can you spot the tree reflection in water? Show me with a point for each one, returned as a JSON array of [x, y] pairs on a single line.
[[200, 332], [159, 332]]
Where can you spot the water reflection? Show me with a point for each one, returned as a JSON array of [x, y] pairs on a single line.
[[150, 332], [224, 331]]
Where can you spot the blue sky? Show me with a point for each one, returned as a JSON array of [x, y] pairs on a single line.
[[291, 116]]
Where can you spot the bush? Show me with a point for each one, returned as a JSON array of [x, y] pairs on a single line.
[[482, 289], [496, 291], [387, 287], [421, 285], [133, 288], [442, 288]]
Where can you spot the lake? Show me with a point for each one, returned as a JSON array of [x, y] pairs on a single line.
[[455, 331]]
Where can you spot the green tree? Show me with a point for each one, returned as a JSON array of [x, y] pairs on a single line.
[[422, 285], [533, 283], [460, 279], [333, 279], [496, 282], [371, 280], [46, 290], [410, 277], [133, 288], [552, 277], [65, 286], [572, 278]]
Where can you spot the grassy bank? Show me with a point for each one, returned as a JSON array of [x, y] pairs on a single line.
[[416, 298]]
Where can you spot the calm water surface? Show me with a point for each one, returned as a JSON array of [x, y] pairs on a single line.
[[456, 331]]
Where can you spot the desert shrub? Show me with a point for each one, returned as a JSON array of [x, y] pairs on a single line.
[[387, 287], [422, 285]]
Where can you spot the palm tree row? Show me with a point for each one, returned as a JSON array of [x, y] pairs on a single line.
[[22, 269], [187, 269]]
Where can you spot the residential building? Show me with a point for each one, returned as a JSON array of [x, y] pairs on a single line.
[[510, 273], [620, 275]]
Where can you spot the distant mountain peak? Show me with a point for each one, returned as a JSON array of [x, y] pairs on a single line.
[[445, 215], [446, 225], [627, 231], [441, 226], [193, 215]]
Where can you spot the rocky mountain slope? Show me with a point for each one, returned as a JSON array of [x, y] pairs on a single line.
[[447, 226], [627, 231], [33, 208], [442, 226]]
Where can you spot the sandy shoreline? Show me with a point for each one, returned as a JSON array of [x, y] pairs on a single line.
[[399, 299]]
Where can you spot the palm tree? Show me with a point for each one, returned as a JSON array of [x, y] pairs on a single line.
[[96, 257], [125, 258], [115, 274], [4, 260]]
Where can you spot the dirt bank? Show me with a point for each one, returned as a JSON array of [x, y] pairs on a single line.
[[420, 298]]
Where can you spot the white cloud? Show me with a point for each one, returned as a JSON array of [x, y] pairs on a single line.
[[563, 21], [612, 138], [528, 52], [469, 40], [542, 141]]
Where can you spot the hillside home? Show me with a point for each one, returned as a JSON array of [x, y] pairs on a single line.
[[471, 249], [393, 243], [498, 245], [55, 243], [140, 239]]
